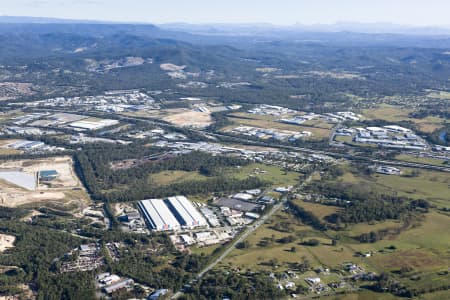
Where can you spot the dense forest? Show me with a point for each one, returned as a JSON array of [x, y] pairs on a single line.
[[330, 73], [93, 165], [232, 285]]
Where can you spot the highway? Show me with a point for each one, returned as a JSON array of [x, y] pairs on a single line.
[[292, 148], [312, 151]]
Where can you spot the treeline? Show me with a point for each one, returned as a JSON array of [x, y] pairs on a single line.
[[212, 185], [307, 217], [153, 271], [35, 249], [441, 136], [361, 203], [369, 210], [93, 165], [39, 250], [232, 285]]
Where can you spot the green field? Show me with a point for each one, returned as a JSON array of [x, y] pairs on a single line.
[[432, 186], [273, 174], [394, 114], [365, 295], [423, 160], [170, 177], [256, 256]]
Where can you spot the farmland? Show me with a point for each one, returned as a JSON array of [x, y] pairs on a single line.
[[390, 113], [430, 185]]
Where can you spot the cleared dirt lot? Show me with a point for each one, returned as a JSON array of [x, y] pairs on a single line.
[[4, 150], [189, 118], [6, 242], [64, 189]]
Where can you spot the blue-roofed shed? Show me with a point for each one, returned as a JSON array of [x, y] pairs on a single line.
[[48, 175], [157, 294]]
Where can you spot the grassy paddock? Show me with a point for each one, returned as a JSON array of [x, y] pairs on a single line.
[[429, 185]]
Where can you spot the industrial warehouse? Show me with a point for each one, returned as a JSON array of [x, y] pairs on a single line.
[[173, 213]]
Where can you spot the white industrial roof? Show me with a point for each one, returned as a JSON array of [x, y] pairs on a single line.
[[159, 214], [187, 211]]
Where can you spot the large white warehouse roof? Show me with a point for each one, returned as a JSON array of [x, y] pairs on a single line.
[[158, 215], [185, 211]]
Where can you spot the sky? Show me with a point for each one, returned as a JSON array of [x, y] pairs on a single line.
[[277, 12]]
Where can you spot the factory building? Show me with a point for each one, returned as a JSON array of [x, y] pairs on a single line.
[[158, 215], [118, 285], [186, 214], [173, 213]]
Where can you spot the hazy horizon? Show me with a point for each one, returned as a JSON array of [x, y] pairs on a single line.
[[432, 13]]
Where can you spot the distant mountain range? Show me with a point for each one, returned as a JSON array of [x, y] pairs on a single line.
[[269, 29], [256, 29], [41, 20]]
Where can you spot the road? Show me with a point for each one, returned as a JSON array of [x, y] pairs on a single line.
[[310, 151], [294, 148], [250, 229]]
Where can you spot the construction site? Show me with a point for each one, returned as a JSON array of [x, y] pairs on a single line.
[[39, 180]]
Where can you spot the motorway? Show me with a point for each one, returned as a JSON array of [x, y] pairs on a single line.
[[309, 151], [290, 148]]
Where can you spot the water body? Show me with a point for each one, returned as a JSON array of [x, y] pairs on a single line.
[[24, 180], [443, 136]]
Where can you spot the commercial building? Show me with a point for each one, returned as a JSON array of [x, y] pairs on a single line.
[[173, 213], [212, 218], [158, 294], [93, 125], [243, 196], [118, 285], [158, 215], [186, 214]]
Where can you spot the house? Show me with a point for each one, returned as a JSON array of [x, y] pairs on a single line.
[[108, 280], [158, 294], [289, 285], [312, 280]]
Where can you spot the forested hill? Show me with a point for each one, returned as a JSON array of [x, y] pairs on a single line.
[[317, 66]]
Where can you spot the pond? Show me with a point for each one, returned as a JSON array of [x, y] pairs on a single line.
[[443, 136]]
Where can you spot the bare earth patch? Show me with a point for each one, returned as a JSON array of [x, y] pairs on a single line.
[[171, 67], [65, 188], [6, 242], [190, 119]]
